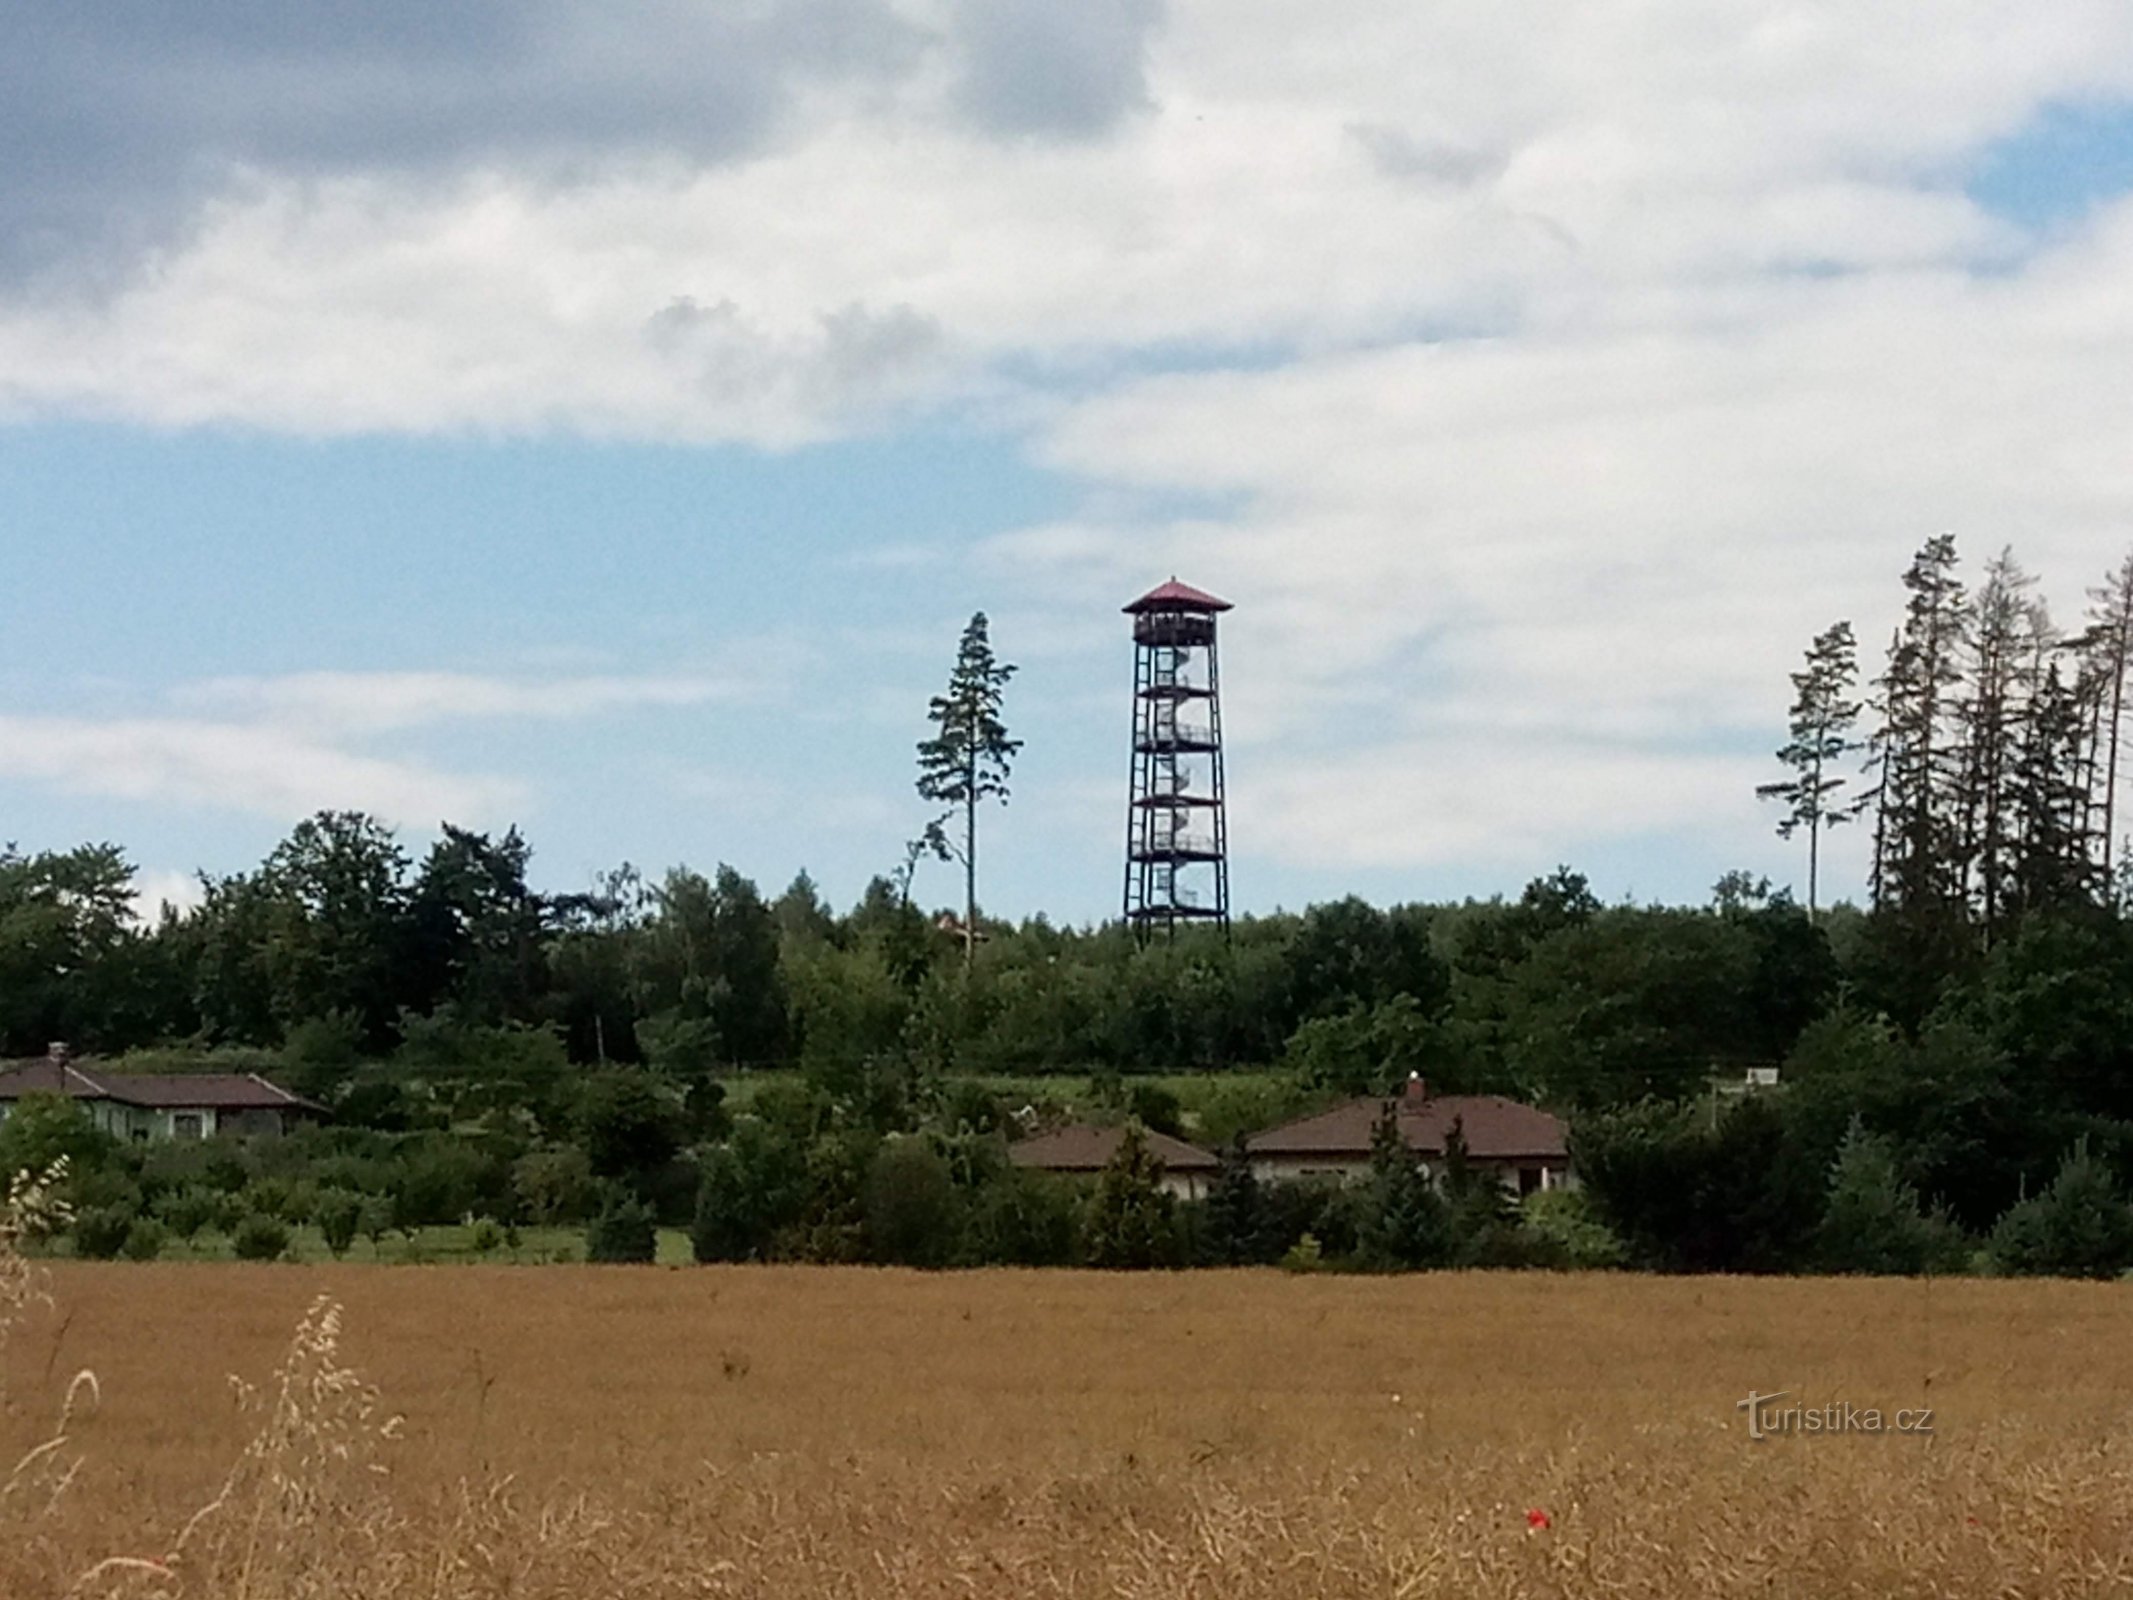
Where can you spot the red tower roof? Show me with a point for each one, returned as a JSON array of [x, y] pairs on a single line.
[[1176, 596]]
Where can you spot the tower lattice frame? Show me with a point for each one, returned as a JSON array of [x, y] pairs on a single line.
[[1177, 824]]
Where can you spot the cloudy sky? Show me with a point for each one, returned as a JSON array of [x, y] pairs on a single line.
[[603, 419]]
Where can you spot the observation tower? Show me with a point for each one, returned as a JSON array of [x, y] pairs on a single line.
[[1177, 830]]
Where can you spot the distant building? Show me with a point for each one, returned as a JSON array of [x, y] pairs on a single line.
[[142, 1106], [1085, 1148], [1524, 1147]]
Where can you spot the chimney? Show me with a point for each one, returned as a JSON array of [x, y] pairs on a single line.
[[1417, 1090]]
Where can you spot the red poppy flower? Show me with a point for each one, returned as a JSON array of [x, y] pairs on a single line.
[[1536, 1518]]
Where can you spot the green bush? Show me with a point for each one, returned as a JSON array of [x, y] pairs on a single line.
[[43, 1128], [749, 1188], [144, 1240], [1304, 1255], [273, 1197], [1132, 1220], [1874, 1223], [622, 1232], [553, 1184], [913, 1213], [487, 1237], [100, 1232], [260, 1238], [339, 1215], [189, 1211], [2081, 1227], [1402, 1222], [1566, 1232]]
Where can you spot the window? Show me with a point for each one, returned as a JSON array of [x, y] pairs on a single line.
[[185, 1124], [1529, 1179]]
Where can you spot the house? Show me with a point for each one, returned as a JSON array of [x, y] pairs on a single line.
[[1524, 1146], [1085, 1148], [139, 1105]]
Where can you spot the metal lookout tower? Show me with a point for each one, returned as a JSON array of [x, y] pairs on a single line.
[[1177, 830]]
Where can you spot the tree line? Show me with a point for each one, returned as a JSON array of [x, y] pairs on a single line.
[[789, 1080], [1991, 764]]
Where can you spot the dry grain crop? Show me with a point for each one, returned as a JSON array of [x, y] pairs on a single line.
[[587, 1432]]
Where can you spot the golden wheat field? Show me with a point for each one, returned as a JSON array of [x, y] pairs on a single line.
[[585, 1432]]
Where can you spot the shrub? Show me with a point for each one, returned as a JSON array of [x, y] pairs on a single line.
[[1874, 1223], [1155, 1106], [1323, 1207], [627, 1123], [1304, 1255], [487, 1236], [1234, 1225], [339, 1214], [622, 1232], [913, 1214], [1132, 1220], [100, 1232], [260, 1238], [1402, 1222], [144, 1240], [749, 1187], [553, 1184], [272, 1197], [189, 1211], [1565, 1232], [45, 1127], [2081, 1227], [1022, 1218], [376, 1220]]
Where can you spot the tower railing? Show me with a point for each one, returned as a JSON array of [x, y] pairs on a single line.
[[1177, 833]]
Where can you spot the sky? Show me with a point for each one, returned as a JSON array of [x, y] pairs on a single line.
[[604, 421]]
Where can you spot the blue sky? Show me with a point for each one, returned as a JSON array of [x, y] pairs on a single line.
[[615, 447]]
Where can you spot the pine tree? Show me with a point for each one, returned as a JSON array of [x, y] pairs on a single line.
[[1918, 866], [2109, 660], [1403, 1222], [2049, 802], [1874, 1223], [2005, 645], [2080, 1227], [1236, 1211], [1823, 715], [967, 760], [1132, 1219]]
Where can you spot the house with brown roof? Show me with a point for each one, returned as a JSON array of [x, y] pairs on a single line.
[[141, 1106], [1086, 1149], [1525, 1147]]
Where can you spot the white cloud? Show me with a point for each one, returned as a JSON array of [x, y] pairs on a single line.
[[284, 747], [268, 771], [1487, 802], [1611, 545], [1552, 373], [1525, 166], [156, 890], [377, 702]]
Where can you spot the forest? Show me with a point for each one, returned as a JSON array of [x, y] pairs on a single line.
[[1954, 1056]]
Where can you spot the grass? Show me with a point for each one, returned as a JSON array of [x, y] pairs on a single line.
[[455, 1245], [851, 1432]]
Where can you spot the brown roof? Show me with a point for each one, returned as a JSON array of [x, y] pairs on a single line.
[[224, 1091], [1084, 1147], [1496, 1129], [1176, 596]]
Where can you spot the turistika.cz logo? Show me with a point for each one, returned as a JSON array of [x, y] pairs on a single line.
[[1770, 1418]]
